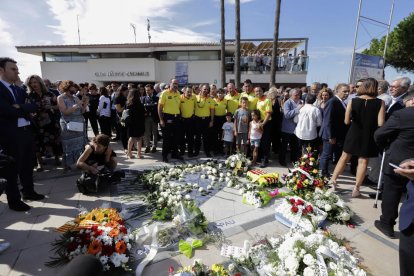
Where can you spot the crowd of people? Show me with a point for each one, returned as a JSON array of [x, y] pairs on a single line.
[[349, 123]]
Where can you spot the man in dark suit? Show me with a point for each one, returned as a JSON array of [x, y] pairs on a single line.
[[333, 129], [398, 134], [398, 89], [17, 136], [407, 221]]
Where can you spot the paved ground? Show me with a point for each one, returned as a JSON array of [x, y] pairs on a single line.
[[31, 233]]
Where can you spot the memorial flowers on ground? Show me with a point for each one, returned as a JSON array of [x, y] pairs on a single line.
[[100, 232], [305, 176], [238, 163]]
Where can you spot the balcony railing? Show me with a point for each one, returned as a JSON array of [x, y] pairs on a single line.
[[289, 64]]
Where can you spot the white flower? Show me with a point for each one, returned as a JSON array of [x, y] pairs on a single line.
[[195, 186], [292, 264], [187, 197], [117, 259], [231, 267], [221, 179], [333, 266], [160, 200], [232, 164], [230, 184], [220, 166], [308, 260], [309, 271], [221, 175], [328, 207], [209, 187], [228, 174], [344, 216], [203, 176], [201, 189], [214, 170]]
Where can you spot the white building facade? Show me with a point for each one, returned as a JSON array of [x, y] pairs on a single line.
[[191, 63]]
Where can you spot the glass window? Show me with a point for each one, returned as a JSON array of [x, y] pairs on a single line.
[[204, 55], [80, 56], [58, 56]]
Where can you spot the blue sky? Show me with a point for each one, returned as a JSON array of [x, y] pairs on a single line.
[[329, 25]]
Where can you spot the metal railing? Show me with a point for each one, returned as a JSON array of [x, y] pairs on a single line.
[[263, 64]]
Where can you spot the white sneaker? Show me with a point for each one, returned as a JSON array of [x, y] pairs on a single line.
[[4, 246]]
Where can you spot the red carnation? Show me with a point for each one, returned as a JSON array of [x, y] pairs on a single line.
[[294, 209], [107, 250], [123, 230], [292, 201]]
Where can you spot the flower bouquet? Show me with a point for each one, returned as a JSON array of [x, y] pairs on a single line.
[[263, 179], [332, 204], [238, 163], [305, 176], [199, 269], [100, 232], [294, 211], [300, 253]]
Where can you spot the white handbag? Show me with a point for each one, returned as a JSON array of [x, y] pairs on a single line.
[[75, 126]]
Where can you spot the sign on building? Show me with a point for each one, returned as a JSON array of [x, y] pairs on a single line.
[[366, 66]]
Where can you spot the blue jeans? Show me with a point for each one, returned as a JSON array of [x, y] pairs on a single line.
[[326, 154]]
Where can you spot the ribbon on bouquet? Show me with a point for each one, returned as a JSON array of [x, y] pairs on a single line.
[[151, 254], [187, 248], [303, 172]]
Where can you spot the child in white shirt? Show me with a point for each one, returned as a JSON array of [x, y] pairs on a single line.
[[255, 134]]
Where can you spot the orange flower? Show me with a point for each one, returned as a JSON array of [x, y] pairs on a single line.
[[95, 247], [120, 247], [114, 232], [112, 224]]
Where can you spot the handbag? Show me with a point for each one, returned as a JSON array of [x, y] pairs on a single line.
[[75, 126], [125, 118]]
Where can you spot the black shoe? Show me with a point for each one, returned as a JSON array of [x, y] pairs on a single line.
[[373, 195], [115, 139], [263, 164], [147, 149], [165, 159], [208, 154], [19, 206], [154, 149], [386, 230], [33, 196]]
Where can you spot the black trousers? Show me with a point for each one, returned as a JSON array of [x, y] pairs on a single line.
[[314, 144], [202, 132], [406, 251], [114, 123], [394, 187], [292, 140], [187, 127], [93, 119], [265, 142], [217, 133], [124, 136], [170, 134], [105, 123]]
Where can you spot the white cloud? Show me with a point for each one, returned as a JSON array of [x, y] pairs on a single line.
[[324, 52], [110, 21], [5, 36]]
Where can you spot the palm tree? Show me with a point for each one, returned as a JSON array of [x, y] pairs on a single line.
[[275, 41], [237, 54], [223, 43]]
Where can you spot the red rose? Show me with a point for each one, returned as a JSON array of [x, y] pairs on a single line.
[[294, 209], [299, 185], [107, 250], [292, 200], [300, 202], [309, 208], [171, 269]]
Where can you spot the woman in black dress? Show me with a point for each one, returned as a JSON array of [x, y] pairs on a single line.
[[365, 113], [136, 124], [120, 104]]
